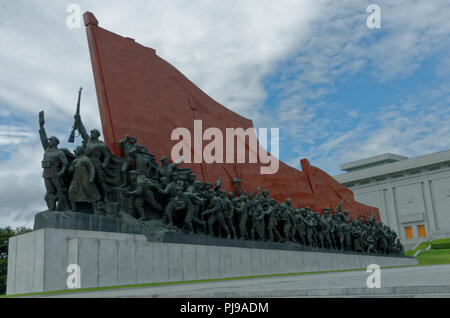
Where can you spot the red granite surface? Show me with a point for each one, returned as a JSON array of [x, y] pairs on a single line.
[[143, 95]]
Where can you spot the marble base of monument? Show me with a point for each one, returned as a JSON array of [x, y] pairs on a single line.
[[38, 260]]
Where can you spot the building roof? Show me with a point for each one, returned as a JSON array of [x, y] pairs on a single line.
[[371, 162], [373, 167]]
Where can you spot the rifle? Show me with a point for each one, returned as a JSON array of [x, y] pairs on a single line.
[[339, 204], [75, 127]]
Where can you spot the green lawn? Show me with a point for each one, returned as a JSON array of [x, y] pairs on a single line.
[[421, 246], [440, 241], [433, 256]]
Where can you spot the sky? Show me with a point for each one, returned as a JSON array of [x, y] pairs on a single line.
[[337, 90]]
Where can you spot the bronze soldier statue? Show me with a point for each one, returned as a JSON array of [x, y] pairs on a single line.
[[215, 214], [328, 228], [341, 228], [320, 231], [242, 213], [144, 162], [370, 242], [178, 202], [285, 219], [129, 145], [347, 233], [55, 164], [82, 188], [301, 227], [311, 224], [192, 212], [272, 221], [97, 151], [143, 193], [167, 169], [228, 211], [259, 221]]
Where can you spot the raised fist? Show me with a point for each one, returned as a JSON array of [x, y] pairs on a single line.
[[41, 119]]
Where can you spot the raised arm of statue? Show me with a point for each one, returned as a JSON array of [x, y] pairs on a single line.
[[42, 133], [217, 185], [236, 182], [123, 141], [81, 128]]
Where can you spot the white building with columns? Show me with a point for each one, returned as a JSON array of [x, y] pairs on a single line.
[[412, 194]]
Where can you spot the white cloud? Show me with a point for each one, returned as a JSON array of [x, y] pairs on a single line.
[[14, 135], [21, 188], [340, 46]]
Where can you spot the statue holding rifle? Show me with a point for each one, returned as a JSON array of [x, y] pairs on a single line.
[[74, 127], [96, 150]]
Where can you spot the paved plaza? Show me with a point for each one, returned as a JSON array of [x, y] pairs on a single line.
[[415, 281]]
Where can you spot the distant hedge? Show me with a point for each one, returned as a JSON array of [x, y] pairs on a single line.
[[5, 234], [440, 246]]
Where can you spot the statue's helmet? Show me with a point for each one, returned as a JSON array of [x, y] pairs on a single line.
[[54, 140], [164, 160], [79, 150], [164, 179], [95, 133], [133, 174], [143, 149]]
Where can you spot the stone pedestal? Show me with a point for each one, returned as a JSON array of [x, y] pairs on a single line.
[[154, 230], [38, 260]]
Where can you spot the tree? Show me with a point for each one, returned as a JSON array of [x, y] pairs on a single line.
[[5, 234]]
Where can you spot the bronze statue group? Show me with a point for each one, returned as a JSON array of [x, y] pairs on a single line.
[[92, 180]]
